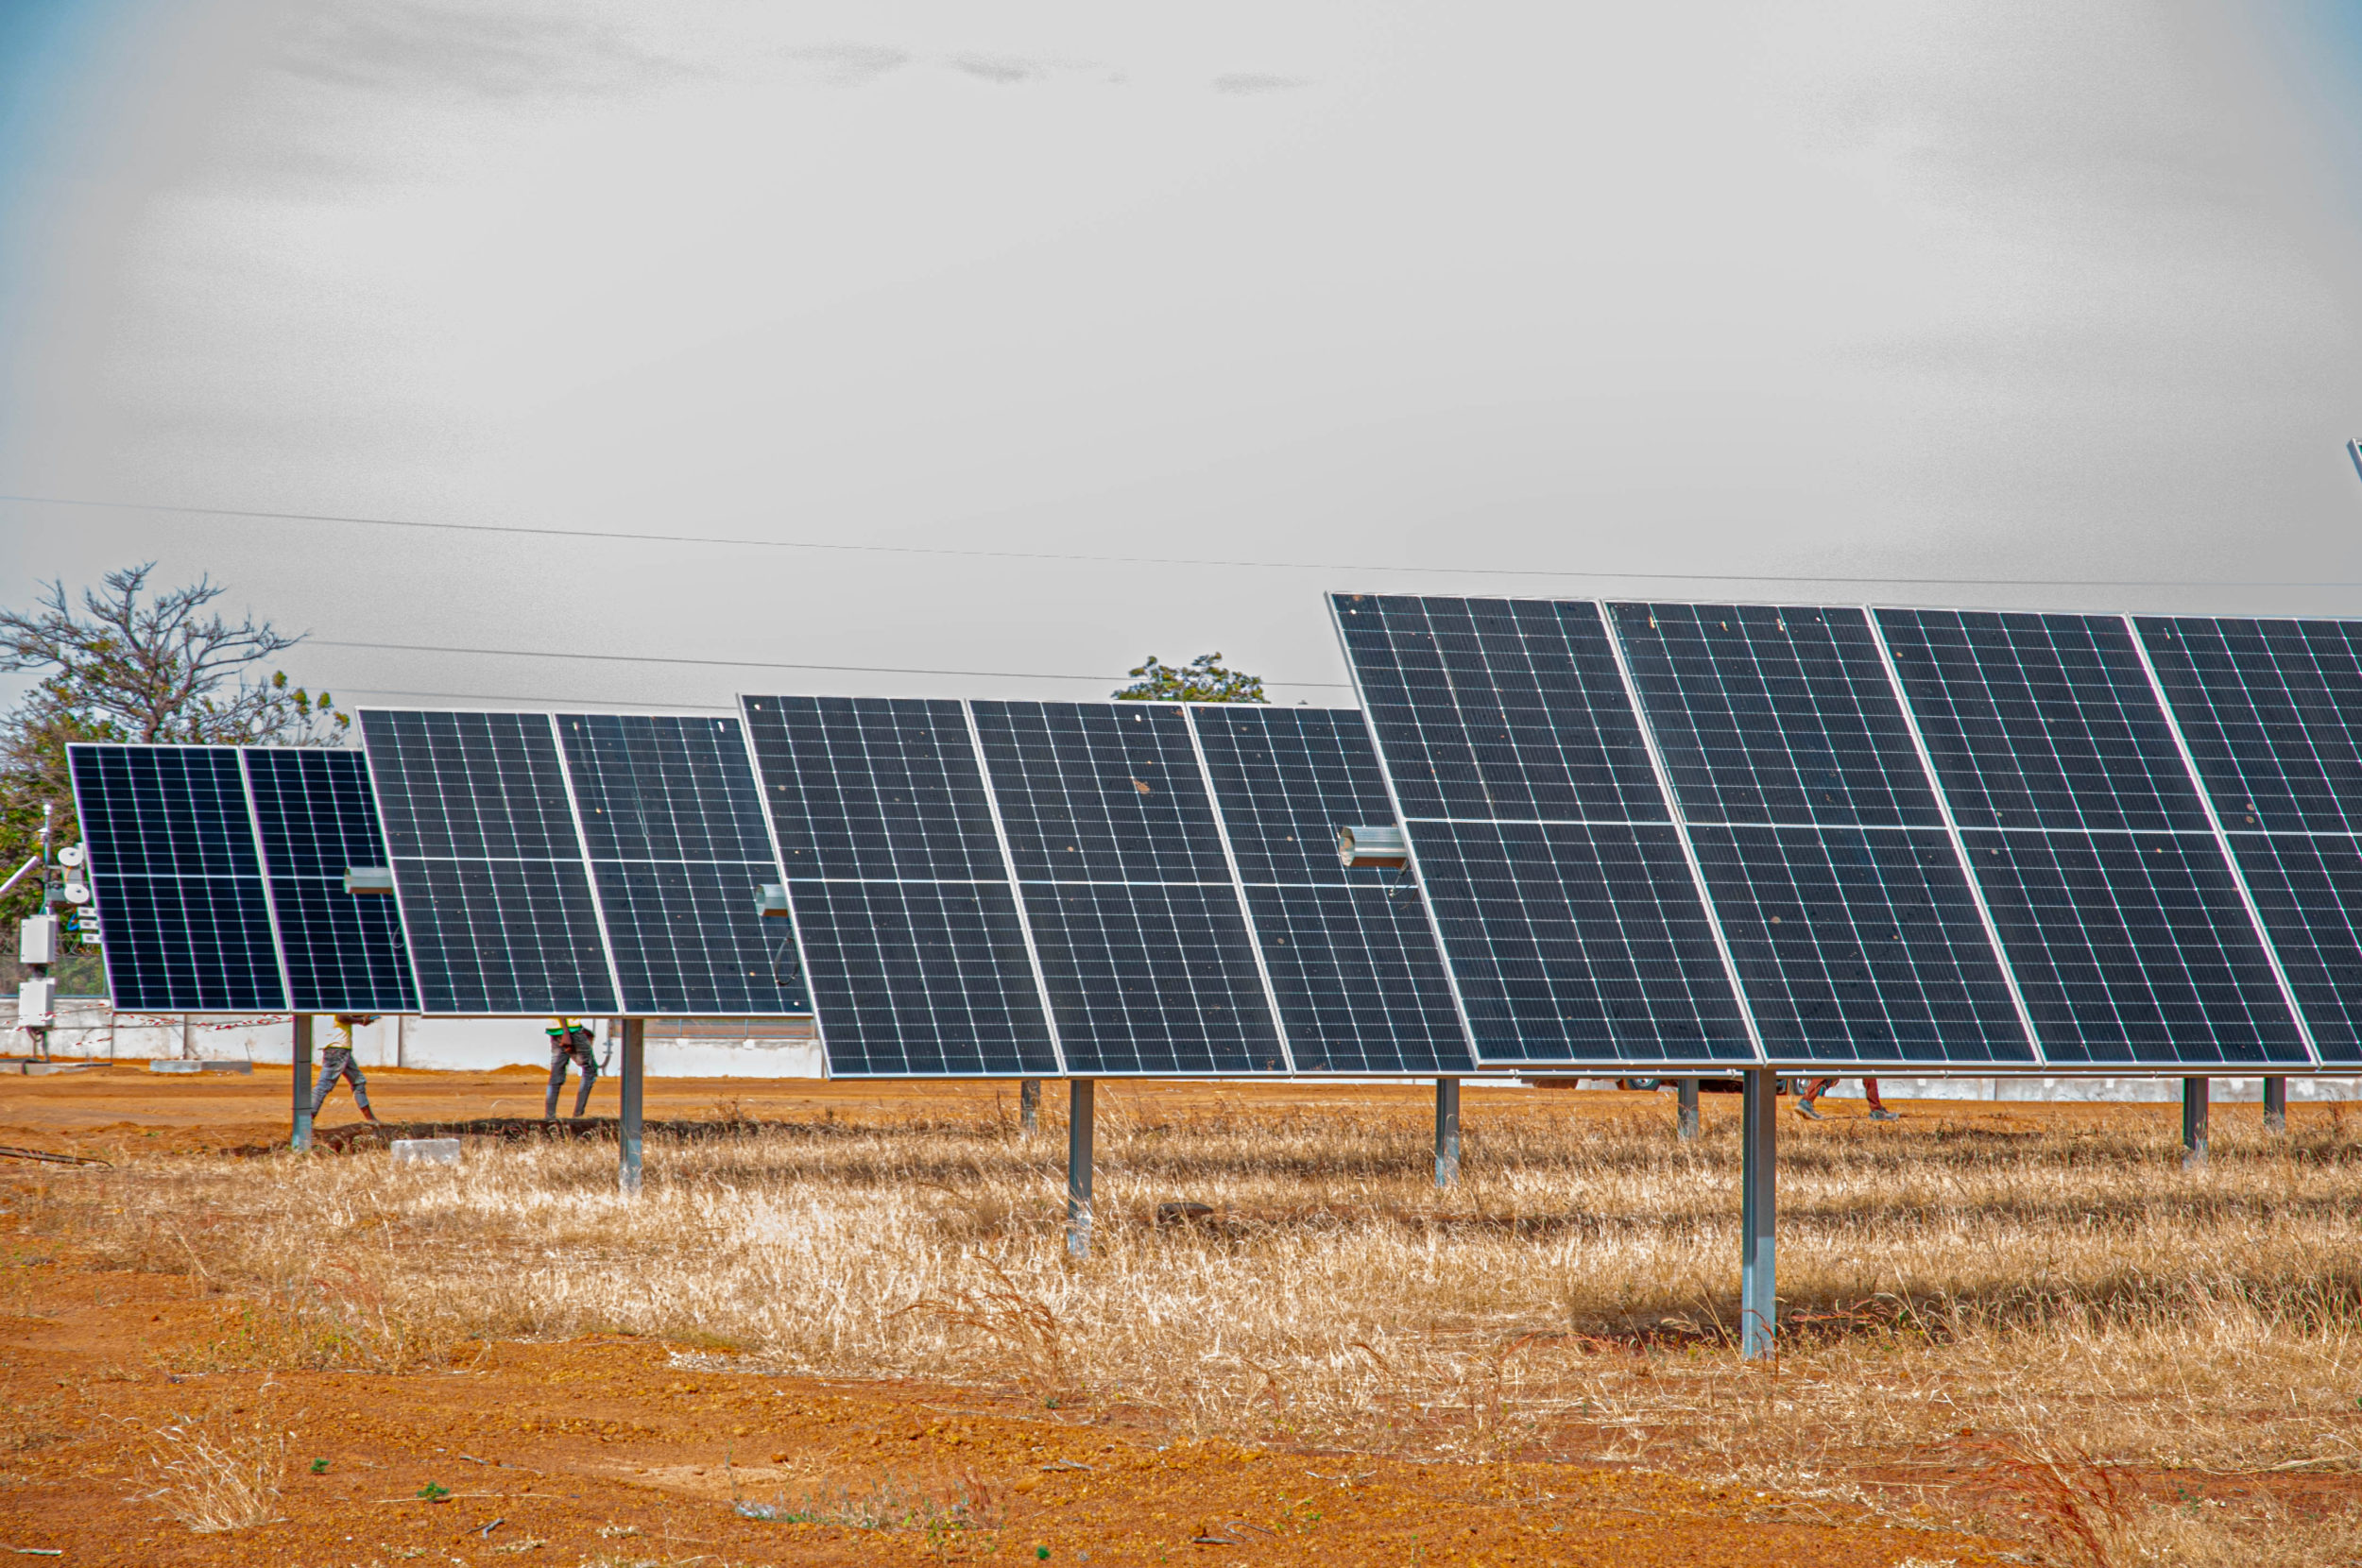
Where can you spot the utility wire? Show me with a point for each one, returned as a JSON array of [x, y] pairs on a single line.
[[740, 541]]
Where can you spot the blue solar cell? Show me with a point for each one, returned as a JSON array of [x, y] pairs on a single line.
[[1152, 977], [672, 821], [2041, 721], [1491, 710], [1288, 779], [317, 819], [1100, 791], [2272, 710], [1769, 714], [494, 887], [1577, 942], [2308, 887], [2134, 948], [874, 787], [175, 873], [1860, 945]]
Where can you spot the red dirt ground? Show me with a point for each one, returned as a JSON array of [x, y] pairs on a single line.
[[607, 1450]]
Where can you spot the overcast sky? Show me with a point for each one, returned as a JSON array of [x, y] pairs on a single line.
[[1496, 293]]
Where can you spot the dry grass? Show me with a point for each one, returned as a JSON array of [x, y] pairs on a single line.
[[2018, 1330], [218, 1474]]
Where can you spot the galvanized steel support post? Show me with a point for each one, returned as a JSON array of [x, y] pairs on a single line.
[[1078, 1168], [2194, 1120], [2275, 1105], [302, 1059], [632, 1059], [1686, 1116], [1028, 1105], [1446, 1132], [1758, 1307]]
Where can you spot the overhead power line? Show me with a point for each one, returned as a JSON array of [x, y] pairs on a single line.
[[740, 663], [1592, 575]]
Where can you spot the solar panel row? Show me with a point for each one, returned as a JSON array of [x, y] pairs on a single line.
[[1096, 889], [1888, 839]]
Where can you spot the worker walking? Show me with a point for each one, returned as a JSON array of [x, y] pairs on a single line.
[[336, 1061], [1809, 1093], [569, 1041]]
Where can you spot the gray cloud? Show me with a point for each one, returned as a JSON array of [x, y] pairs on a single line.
[[1257, 82], [406, 46], [851, 64], [1002, 69]]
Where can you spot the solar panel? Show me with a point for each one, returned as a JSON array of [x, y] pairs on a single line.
[[1566, 904], [317, 818], [1351, 956], [1146, 954], [913, 942], [2272, 713], [489, 865], [176, 877], [1839, 892], [672, 821]]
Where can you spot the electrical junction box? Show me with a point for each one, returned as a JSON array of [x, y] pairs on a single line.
[[37, 940], [37, 1002]]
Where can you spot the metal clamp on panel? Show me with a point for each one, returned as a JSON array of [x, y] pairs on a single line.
[[370, 879], [1372, 846], [771, 898]]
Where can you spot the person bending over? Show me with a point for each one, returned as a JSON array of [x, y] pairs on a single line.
[[569, 1041], [336, 1061], [1808, 1098]]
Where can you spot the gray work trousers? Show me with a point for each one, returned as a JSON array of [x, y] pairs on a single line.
[[560, 1056], [336, 1061]]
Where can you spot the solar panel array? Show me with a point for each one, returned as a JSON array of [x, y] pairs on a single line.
[[1916, 837], [1673, 835], [1101, 889]]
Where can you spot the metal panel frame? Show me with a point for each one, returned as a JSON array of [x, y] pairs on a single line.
[[1017, 897], [590, 873], [270, 899], [778, 858], [1238, 885]]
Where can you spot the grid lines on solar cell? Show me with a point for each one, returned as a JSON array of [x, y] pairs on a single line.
[[874, 787], [2272, 711], [1490, 709], [2133, 948], [494, 888], [2308, 888], [2041, 720], [1859, 945], [1579, 942], [1353, 962], [672, 821], [917, 955], [1766, 713], [1145, 953], [176, 877], [344, 954], [1152, 977]]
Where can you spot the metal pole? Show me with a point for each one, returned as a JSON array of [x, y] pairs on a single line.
[[633, 1060], [1028, 1105], [1685, 1119], [1758, 1305], [1446, 1132], [2275, 1105], [1078, 1168], [2194, 1120], [302, 1058]]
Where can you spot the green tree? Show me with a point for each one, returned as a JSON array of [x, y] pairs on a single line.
[[128, 664], [1202, 680]]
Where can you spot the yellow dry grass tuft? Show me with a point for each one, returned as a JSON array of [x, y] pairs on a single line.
[[2021, 1330], [218, 1474]]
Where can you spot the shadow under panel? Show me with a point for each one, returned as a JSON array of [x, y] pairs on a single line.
[[2134, 948]]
